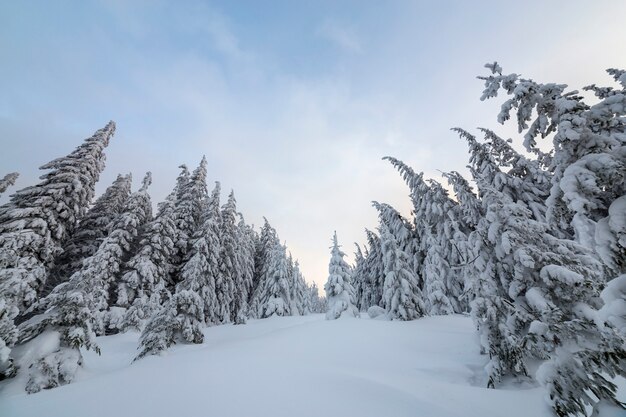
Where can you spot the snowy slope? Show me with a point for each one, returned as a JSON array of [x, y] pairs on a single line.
[[293, 366]]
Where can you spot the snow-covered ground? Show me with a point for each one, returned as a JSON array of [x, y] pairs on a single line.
[[292, 367]]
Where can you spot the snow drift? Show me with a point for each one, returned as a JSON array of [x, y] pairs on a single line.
[[290, 366]]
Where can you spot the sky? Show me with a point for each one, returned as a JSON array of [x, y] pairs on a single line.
[[294, 103]]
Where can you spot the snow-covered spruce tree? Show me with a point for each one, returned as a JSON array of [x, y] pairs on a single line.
[[114, 252], [35, 223], [313, 297], [161, 331], [521, 184], [442, 285], [182, 227], [490, 275], [587, 195], [180, 319], [406, 238], [531, 179], [307, 302], [212, 230], [298, 290], [181, 238], [301, 292], [402, 296], [7, 181], [318, 304], [293, 306], [246, 249], [359, 278], [374, 272], [191, 194], [38, 219], [200, 272], [418, 188], [228, 289], [181, 182], [404, 233], [265, 244], [491, 305], [470, 207], [535, 296], [322, 303], [92, 229], [339, 290], [589, 159], [297, 287], [75, 310], [275, 296], [141, 289], [525, 183], [188, 303], [468, 212], [443, 252], [194, 303]]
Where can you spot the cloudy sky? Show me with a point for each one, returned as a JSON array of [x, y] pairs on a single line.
[[294, 103]]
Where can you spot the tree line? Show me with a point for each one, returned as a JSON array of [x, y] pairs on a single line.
[[533, 246], [71, 270]]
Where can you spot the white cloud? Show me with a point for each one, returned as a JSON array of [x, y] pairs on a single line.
[[341, 35], [225, 41]]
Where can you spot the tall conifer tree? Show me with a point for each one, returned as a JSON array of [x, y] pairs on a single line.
[[339, 291]]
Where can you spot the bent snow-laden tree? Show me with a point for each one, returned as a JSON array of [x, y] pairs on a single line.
[[94, 226], [432, 245], [191, 195], [538, 253], [586, 203], [34, 225], [76, 310], [402, 296], [339, 291], [374, 272], [38, 219]]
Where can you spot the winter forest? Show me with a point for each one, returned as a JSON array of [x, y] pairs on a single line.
[[81, 270], [532, 247], [414, 233], [536, 255]]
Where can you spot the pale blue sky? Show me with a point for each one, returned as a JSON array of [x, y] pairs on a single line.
[[294, 103]]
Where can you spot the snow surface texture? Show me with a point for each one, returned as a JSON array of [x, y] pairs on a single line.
[[291, 366]]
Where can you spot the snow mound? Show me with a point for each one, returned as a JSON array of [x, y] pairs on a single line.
[[375, 311]]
